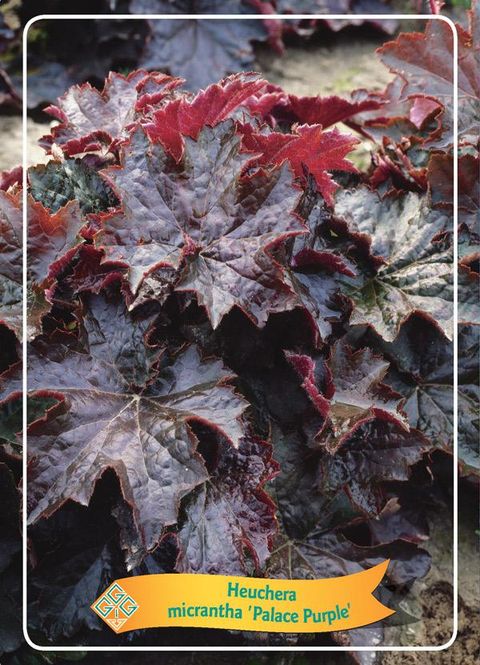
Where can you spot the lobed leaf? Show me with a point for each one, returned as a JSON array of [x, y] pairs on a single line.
[[415, 270], [102, 420], [91, 119], [353, 394], [203, 213]]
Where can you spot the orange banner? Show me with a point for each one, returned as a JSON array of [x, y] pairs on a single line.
[[243, 603]]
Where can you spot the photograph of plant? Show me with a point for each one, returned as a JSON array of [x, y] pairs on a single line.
[[240, 319]]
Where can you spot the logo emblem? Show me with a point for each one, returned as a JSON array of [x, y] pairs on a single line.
[[115, 607]]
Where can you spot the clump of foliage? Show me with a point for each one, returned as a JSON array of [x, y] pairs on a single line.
[[225, 46], [211, 49], [240, 355]]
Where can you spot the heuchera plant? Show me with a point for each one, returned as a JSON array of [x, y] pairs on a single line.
[[240, 356]]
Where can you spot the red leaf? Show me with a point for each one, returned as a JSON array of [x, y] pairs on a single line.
[[11, 178], [309, 147], [327, 111], [377, 452], [185, 117], [425, 62], [52, 239]]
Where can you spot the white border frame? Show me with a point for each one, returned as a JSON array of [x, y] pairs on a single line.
[[283, 17]]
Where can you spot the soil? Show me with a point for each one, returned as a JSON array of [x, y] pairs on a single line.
[[436, 604], [338, 66], [334, 67]]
